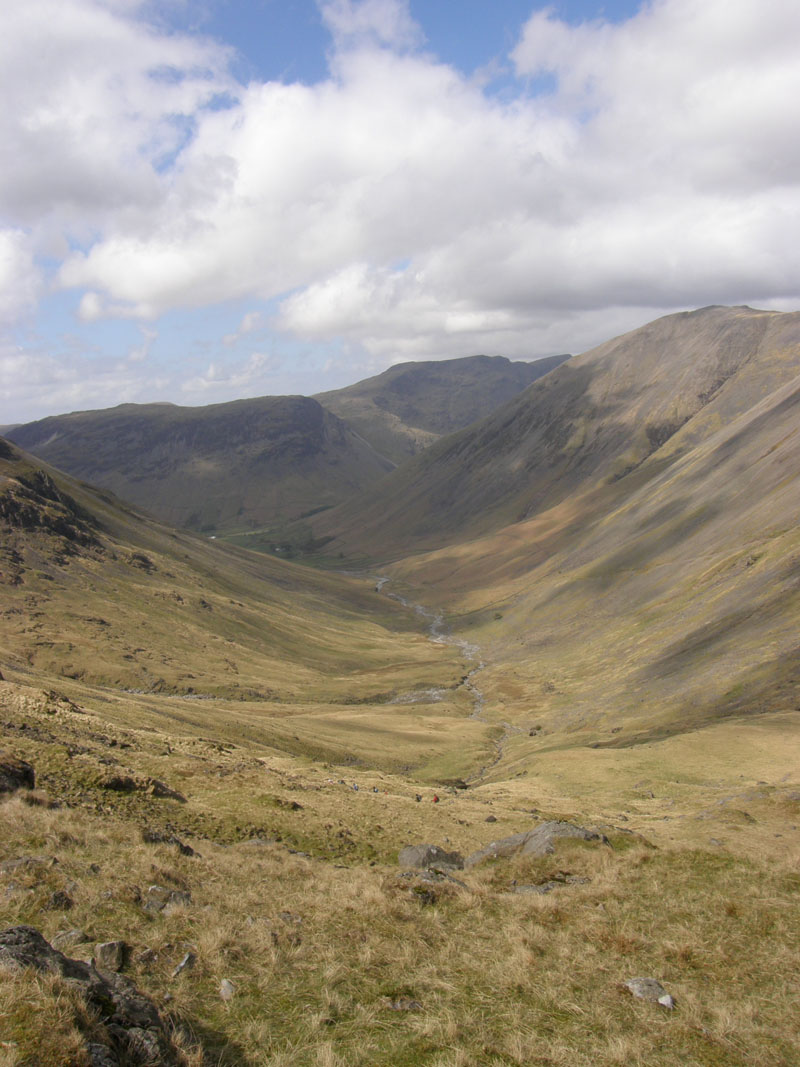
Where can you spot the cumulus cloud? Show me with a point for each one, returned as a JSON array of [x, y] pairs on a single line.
[[20, 281], [398, 205], [355, 23], [253, 320], [36, 381], [231, 380]]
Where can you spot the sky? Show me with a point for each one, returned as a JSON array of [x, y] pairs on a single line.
[[202, 200]]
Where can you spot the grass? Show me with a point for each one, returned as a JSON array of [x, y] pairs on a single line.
[[262, 693], [316, 950]]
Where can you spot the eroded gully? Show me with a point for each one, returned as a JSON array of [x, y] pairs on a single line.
[[439, 632]]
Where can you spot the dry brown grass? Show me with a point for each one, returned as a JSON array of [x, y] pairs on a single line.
[[316, 950]]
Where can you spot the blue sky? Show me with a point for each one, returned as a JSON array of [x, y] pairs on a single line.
[[208, 199], [287, 39]]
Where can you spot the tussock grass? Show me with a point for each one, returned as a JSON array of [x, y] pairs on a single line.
[[319, 952]]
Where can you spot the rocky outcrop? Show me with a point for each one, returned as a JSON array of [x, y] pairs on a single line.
[[536, 842], [133, 1031], [430, 856], [124, 783], [15, 774]]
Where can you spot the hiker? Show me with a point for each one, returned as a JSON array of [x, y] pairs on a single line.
[[435, 798], [418, 798], [355, 787]]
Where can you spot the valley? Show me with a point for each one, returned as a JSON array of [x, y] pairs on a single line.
[[579, 607]]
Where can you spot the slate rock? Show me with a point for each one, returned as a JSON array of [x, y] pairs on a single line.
[[542, 888], [15, 774], [535, 842], [155, 837], [160, 789], [430, 856], [402, 1004], [650, 989], [67, 938], [160, 898], [135, 1033], [110, 955], [27, 863], [101, 1055], [186, 964], [59, 900], [120, 783]]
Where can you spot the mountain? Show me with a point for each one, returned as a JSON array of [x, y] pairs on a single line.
[[408, 407], [226, 466], [231, 751], [649, 585], [163, 624], [601, 422], [237, 467]]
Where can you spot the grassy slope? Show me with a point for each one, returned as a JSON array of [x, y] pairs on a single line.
[[225, 466], [406, 408], [631, 615], [317, 944], [591, 422], [162, 626]]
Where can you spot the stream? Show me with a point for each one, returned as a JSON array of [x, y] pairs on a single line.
[[440, 633]]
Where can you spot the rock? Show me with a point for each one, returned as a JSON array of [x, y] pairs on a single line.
[[430, 875], [67, 938], [650, 989], [160, 789], [110, 955], [15, 774], [430, 856], [154, 837], [536, 842], [27, 863], [133, 1031], [101, 1055], [186, 964], [60, 900], [401, 1004], [227, 990], [491, 818], [120, 783], [541, 888], [159, 898]]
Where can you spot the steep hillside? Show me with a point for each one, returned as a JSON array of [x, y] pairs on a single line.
[[600, 422], [163, 627], [610, 619], [230, 752], [226, 466], [411, 405]]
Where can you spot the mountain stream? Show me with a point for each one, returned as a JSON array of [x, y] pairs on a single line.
[[440, 633]]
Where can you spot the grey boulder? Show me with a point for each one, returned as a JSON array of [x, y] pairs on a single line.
[[430, 856], [536, 842]]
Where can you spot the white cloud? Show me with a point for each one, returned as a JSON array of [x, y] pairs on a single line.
[[231, 380], [139, 353], [36, 382], [20, 281], [355, 23], [253, 320], [396, 205]]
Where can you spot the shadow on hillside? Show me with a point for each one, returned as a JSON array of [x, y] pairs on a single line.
[[731, 628], [769, 687], [218, 1049]]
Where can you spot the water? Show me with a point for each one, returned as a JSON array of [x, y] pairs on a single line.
[[439, 632]]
